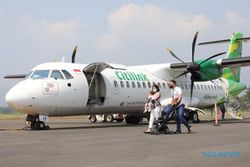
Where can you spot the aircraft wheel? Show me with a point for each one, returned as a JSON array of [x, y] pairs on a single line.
[[37, 125], [40, 125], [92, 118], [132, 119], [195, 117], [109, 118], [120, 120], [33, 125]]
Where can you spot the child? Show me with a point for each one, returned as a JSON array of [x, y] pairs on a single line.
[[148, 106]]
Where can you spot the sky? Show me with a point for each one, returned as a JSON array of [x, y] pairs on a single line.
[[115, 31]]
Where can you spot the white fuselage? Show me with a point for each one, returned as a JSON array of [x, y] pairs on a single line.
[[103, 88]]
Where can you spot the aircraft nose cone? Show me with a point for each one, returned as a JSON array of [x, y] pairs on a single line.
[[16, 97]]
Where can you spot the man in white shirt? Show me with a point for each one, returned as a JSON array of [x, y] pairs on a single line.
[[176, 93]]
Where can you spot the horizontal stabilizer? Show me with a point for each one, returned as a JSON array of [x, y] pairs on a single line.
[[18, 76]]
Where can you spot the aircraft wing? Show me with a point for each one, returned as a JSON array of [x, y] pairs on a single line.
[[15, 76], [221, 63]]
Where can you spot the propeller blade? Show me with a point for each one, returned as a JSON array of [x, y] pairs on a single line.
[[192, 88], [74, 55], [216, 55], [184, 73], [193, 45], [169, 50]]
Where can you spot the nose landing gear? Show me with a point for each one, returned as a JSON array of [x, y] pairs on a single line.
[[36, 124]]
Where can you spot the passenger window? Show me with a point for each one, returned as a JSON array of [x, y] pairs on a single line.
[[133, 84], [186, 87], [144, 84], [202, 87], [67, 74], [194, 87], [139, 84], [128, 84], [56, 74], [40, 74], [116, 84], [149, 85], [164, 85], [159, 84], [122, 84], [198, 86], [205, 86], [181, 85]]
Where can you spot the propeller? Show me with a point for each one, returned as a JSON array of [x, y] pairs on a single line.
[[194, 68], [74, 55]]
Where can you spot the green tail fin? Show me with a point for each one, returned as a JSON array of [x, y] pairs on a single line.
[[235, 50]]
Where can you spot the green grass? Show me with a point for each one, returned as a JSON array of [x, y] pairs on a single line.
[[11, 116]]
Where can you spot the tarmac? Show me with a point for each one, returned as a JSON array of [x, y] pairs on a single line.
[[78, 143]]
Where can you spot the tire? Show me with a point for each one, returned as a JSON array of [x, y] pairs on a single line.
[[109, 118], [132, 119], [37, 125], [33, 125], [195, 117], [120, 120], [40, 125], [92, 118]]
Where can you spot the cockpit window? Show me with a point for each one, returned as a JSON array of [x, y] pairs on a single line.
[[40, 74], [28, 75], [67, 74], [56, 74]]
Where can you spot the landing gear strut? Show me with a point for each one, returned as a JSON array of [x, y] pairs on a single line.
[[36, 124]]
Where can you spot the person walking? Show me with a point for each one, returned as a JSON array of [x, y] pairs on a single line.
[[155, 113], [179, 106]]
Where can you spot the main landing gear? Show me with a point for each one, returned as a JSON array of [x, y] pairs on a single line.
[[36, 123]]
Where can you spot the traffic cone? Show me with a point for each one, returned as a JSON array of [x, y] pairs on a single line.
[[216, 123]]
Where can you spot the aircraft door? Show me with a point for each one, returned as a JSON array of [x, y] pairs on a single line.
[[96, 85]]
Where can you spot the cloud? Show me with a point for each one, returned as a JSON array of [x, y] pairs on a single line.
[[49, 35], [39, 38], [48, 30], [235, 22], [144, 23]]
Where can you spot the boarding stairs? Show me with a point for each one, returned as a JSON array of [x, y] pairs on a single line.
[[233, 106]]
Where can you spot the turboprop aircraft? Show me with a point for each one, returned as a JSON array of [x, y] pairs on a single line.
[[65, 89]]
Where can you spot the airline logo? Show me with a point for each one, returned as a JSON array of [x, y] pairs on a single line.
[[131, 76]]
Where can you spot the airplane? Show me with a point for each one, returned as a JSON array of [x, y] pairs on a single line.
[[67, 89]]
